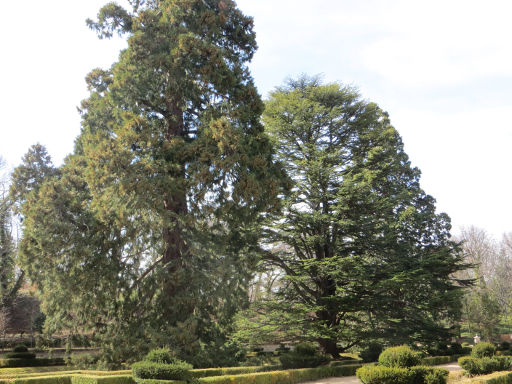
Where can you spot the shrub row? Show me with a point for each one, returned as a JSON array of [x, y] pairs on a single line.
[[160, 371], [494, 378], [291, 376], [20, 355], [12, 363], [437, 360], [67, 373], [72, 379], [208, 372], [485, 365], [395, 375]]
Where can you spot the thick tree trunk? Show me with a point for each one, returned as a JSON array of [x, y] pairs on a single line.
[[330, 347], [176, 204]]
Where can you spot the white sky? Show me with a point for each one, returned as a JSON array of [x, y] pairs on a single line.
[[442, 69]]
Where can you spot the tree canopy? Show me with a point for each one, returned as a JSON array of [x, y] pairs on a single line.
[[363, 253], [147, 230]]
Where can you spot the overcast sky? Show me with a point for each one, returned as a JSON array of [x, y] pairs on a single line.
[[442, 69]]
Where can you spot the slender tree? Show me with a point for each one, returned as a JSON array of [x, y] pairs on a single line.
[[363, 251], [154, 214]]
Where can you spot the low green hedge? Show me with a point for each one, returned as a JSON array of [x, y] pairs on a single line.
[[378, 374], [89, 379], [71, 379], [153, 381], [13, 363], [291, 376], [495, 378], [485, 365], [208, 372], [159, 371], [19, 355], [438, 360]]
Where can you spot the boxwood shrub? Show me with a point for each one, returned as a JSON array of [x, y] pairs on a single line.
[[483, 349], [20, 355], [162, 355], [378, 374], [399, 357], [151, 370], [485, 365], [20, 348], [304, 355]]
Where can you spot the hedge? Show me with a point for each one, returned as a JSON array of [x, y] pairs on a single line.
[[495, 378], [379, 374], [19, 355], [71, 379], [154, 381], [291, 376], [208, 372], [13, 363], [437, 360], [88, 379], [159, 371], [485, 365]]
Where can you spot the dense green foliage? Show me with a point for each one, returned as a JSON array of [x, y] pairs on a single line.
[[412, 375], [284, 377], [161, 355], [20, 355], [161, 198], [361, 250], [484, 365], [399, 357], [178, 370], [483, 349], [371, 352], [304, 355]]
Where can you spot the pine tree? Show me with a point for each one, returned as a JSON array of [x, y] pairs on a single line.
[[363, 252], [153, 216]]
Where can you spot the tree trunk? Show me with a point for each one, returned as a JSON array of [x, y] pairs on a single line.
[[330, 347]]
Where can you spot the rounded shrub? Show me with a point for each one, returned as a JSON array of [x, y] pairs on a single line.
[[304, 355], [161, 355], [483, 349], [178, 370], [20, 355], [20, 348], [371, 353], [399, 357]]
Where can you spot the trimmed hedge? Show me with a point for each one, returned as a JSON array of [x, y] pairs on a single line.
[[413, 375], [438, 360], [400, 357], [13, 363], [88, 379], [291, 376], [153, 381], [19, 355], [159, 371], [485, 365], [43, 380], [20, 348], [483, 350], [208, 372]]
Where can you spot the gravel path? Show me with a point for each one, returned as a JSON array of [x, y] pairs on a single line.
[[353, 380]]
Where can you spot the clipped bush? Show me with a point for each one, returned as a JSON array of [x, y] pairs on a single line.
[[399, 357], [20, 355], [378, 374], [304, 355], [20, 348], [483, 349], [161, 355], [179, 370], [371, 352], [485, 365]]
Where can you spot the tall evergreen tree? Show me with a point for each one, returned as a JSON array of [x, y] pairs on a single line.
[[153, 215], [362, 249]]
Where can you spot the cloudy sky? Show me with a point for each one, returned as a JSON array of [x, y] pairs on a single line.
[[442, 69]]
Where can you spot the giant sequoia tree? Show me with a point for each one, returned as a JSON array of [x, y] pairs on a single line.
[[140, 236], [363, 252]]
